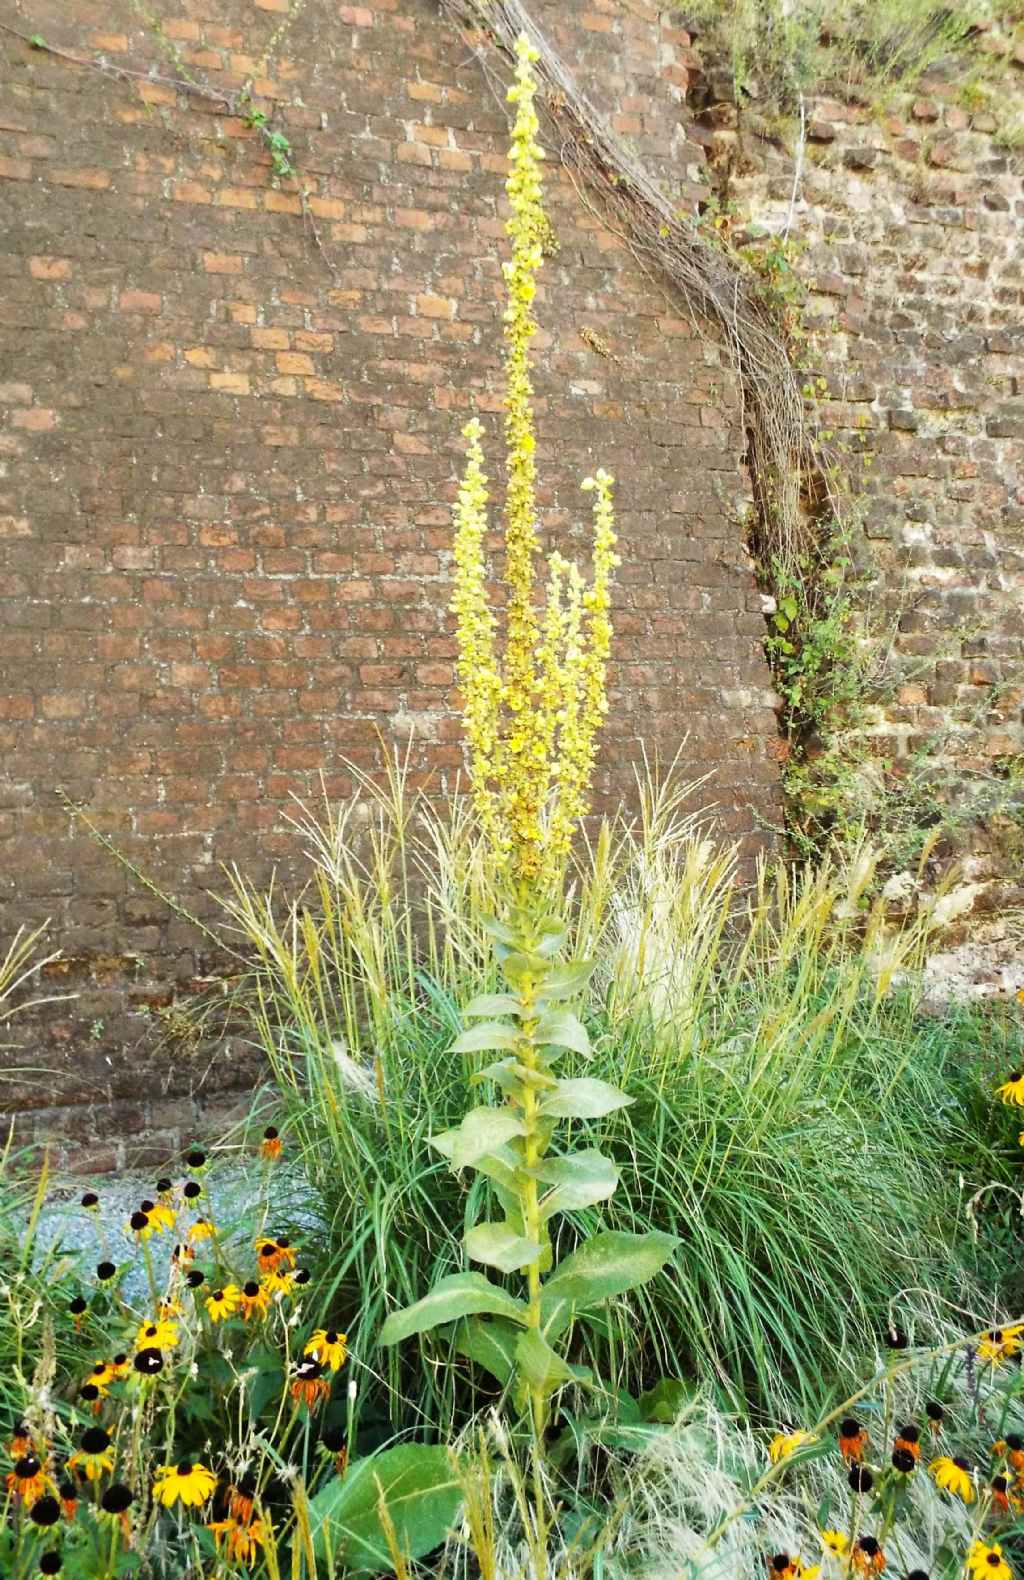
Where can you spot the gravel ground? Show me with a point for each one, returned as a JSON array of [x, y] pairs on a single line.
[[233, 1192]]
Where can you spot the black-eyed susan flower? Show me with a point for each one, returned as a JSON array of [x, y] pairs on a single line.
[[106, 1272], [255, 1300], [223, 1303], [159, 1215], [68, 1494], [121, 1365], [903, 1461], [309, 1386], [916, 1574], [159, 1335], [141, 1226], [272, 1254], [165, 1187], [45, 1511], [242, 1497], [785, 1443], [50, 1563], [936, 1415], [270, 1146], [195, 1158], [167, 1310], [91, 1202], [953, 1476], [195, 1278], [182, 1255], [1011, 1447], [148, 1362], [20, 1442], [115, 1503], [867, 1557], [92, 1396], [329, 1347], [334, 1441], [78, 1306], [242, 1542], [279, 1281], [93, 1457], [860, 1479], [191, 1191], [202, 1229], [999, 1344], [1004, 1499], [908, 1440], [853, 1440], [28, 1480], [835, 1542], [1012, 1091], [187, 1482], [301, 1275], [986, 1562]]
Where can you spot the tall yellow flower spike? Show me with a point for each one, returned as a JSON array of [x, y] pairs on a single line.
[[531, 719]]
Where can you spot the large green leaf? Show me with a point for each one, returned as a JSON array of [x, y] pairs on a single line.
[[587, 1098], [509, 1074], [579, 1179], [561, 1027], [566, 980], [498, 1245], [491, 1344], [482, 1130], [492, 1004], [420, 1490], [459, 1295], [538, 1363], [481, 1039], [607, 1264]]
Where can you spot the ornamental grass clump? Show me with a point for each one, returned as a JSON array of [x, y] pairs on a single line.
[[531, 721]]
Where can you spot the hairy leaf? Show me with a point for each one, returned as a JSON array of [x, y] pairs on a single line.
[[498, 1245], [459, 1295], [587, 1098], [579, 1179], [561, 1027], [492, 1004], [538, 1363], [491, 1345], [481, 1131], [479, 1039], [420, 1490], [606, 1265]]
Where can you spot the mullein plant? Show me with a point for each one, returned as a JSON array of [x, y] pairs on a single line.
[[531, 718]]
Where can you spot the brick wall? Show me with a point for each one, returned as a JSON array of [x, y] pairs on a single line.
[[228, 458], [908, 225]]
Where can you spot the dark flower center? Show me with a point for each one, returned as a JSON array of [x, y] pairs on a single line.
[[903, 1460], [961, 1463], [117, 1498], [867, 1544], [302, 1275], [270, 1134], [95, 1440], [26, 1468], [331, 1336], [76, 1306], [139, 1220], [283, 1242], [149, 1362], [908, 1433], [934, 1411], [195, 1278], [861, 1480], [146, 1206], [192, 1190], [46, 1511], [184, 1467], [268, 1249], [1014, 1441], [163, 1186], [49, 1564], [999, 1483], [90, 1199], [850, 1427], [780, 1562], [119, 1360], [88, 1391], [105, 1270]]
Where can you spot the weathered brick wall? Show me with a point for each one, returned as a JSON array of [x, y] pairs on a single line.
[[907, 225], [228, 458]]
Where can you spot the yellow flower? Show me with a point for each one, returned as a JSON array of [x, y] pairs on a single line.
[[161, 1216], [278, 1282], [988, 1563], [223, 1302], [953, 1475], [999, 1344], [202, 1229], [160, 1335], [785, 1443], [28, 1480], [531, 720], [255, 1299], [241, 1542], [272, 1254], [1012, 1091], [835, 1542], [187, 1482], [93, 1457], [328, 1347]]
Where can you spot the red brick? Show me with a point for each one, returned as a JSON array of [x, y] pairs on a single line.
[[49, 268], [37, 419], [139, 302]]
